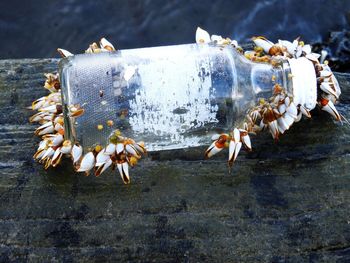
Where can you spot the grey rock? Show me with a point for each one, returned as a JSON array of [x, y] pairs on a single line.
[[284, 202]]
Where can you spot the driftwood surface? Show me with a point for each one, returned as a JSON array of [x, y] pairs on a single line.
[[285, 201]]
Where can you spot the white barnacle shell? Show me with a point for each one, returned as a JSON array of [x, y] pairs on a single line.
[[202, 36], [236, 135], [287, 101], [234, 149], [101, 158], [55, 97], [273, 126], [299, 51], [313, 57], [45, 129], [103, 167], [56, 158], [288, 119], [37, 117], [43, 144], [282, 125], [324, 54], [39, 103], [87, 163], [123, 169], [263, 43], [48, 153], [306, 49], [76, 152], [140, 147], [105, 44], [119, 148], [247, 142], [291, 47], [327, 87], [330, 108], [282, 108], [64, 53], [66, 147], [58, 127], [305, 111], [51, 109], [212, 150], [292, 110], [131, 150], [234, 43], [110, 149], [57, 140], [216, 38]]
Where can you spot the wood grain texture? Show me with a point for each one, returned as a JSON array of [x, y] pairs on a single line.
[[285, 201]]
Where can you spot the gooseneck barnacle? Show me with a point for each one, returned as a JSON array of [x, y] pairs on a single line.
[[283, 108]]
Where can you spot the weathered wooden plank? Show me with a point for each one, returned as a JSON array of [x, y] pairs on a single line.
[[283, 201]]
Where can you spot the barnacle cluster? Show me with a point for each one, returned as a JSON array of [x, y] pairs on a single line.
[[121, 152], [279, 112], [276, 114]]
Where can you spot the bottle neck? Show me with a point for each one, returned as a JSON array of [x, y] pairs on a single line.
[[254, 81]]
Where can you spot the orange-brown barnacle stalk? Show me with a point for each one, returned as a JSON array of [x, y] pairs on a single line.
[[132, 160], [52, 82], [76, 111], [276, 50], [269, 119], [277, 89], [220, 142]]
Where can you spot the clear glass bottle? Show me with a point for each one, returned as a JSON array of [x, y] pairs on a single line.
[[170, 97]]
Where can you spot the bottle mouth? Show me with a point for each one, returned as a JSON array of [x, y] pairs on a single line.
[[303, 82]]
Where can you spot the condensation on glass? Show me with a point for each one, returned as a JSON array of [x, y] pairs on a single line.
[[170, 97]]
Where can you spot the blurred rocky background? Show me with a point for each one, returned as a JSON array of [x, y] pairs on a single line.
[[32, 29]]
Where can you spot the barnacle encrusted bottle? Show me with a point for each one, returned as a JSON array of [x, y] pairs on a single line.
[[173, 96]]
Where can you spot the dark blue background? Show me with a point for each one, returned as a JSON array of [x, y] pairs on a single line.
[[37, 28]]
